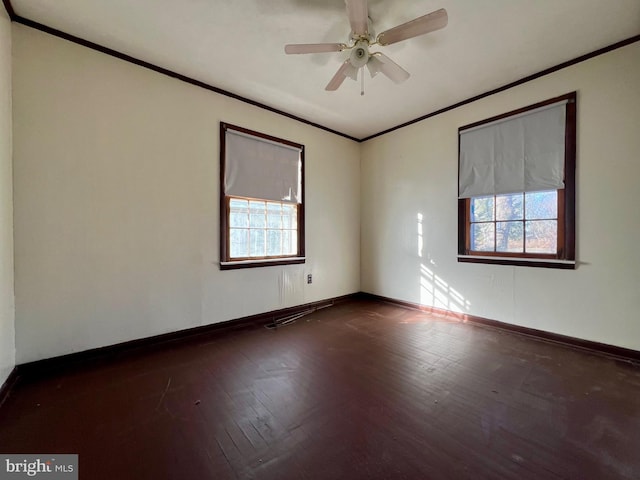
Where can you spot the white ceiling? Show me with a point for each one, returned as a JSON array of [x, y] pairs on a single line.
[[237, 45]]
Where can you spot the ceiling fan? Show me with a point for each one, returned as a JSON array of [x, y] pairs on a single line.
[[362, 38]]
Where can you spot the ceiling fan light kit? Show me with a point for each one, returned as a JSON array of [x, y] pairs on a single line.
[[359, 54], [362, 38]]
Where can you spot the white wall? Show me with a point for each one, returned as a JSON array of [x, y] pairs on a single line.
[[116, 204], [116, 208], [7, 331], [413, 171]]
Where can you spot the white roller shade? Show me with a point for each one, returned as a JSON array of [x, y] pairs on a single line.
[[522, 153], [259, 168]]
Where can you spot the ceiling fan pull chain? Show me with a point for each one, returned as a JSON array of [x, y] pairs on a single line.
[[361, 81]]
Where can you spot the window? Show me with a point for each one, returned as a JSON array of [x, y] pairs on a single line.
[[261, 199], [519, 223], [517, 187], [261, 229]]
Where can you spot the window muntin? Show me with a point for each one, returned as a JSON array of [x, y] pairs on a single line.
[[531, 228], [261, 199]]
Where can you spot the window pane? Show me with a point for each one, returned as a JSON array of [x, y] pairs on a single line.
[[256, 239], [274, 215], [541, 205], [509, 207], [238, 204], [482, 209], [286, 220], [239, 213], [509, 236], [289, 216], [258, 214], [288, 242], [541, 236], [482, 237], [274, 242], [239, 239]]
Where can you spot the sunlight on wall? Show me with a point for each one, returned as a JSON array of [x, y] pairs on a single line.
[[434, 291]]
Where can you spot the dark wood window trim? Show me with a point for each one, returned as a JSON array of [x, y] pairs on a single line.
[[226, 263], [566, 256]]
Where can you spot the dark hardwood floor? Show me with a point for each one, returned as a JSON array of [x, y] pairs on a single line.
[[361, 390]]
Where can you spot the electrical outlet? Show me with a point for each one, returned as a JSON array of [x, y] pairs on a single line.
[[309, 278]]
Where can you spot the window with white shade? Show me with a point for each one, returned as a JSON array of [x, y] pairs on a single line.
[[516, 187], [261, 199]]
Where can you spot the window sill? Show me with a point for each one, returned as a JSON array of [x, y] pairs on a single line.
[[268, 262], [519, 262]]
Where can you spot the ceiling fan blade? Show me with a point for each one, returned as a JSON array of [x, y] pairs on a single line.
[[379, 62], [358, 16], [418, 26], [345, 70], [313, 48]]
